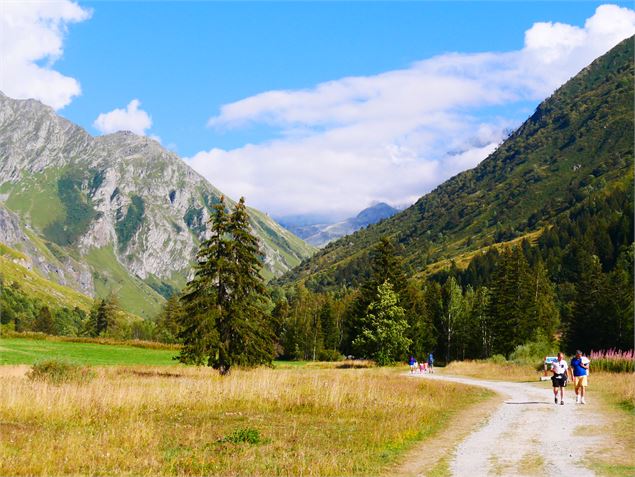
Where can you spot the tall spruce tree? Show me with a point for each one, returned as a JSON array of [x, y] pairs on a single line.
[[386, 265], [383, 334], [510, 302], [224, 323]]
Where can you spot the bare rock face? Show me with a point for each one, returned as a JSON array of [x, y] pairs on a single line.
[[120, 190]]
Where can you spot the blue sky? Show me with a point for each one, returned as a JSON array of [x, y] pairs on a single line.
[[205, 75], [183, 61]]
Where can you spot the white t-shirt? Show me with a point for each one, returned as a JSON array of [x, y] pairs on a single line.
[[586, 361], [560, 367]]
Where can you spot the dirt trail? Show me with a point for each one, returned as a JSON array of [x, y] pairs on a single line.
[[528, 434]]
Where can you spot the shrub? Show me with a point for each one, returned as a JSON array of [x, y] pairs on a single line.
[[498, 359], [330, 355], [57, 371], [533, 352], [243, 435]]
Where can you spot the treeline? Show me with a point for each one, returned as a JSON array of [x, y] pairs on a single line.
[[572, 288], [21, 312]]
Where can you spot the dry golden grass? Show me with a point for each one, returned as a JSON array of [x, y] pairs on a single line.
[[616, 392], [170, 421], [493, 371]]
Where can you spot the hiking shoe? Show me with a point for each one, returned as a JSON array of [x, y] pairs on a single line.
[[582, 401], [555, 400], [562, 403]]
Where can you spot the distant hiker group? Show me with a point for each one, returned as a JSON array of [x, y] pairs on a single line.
[[577, 371], [426, 365]]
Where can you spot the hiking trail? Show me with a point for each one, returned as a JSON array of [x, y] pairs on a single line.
[[528, 434]]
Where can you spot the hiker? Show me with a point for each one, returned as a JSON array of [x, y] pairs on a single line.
[[421, 367], [579, 371], [559, 378], [412, 362], [430, 363]]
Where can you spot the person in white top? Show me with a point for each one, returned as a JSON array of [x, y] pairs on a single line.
[[559, 378]]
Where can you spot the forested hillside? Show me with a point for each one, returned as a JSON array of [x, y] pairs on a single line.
[[530, 251], [578, 142]]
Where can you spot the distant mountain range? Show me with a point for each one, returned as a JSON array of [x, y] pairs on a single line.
[[116, 213], [319, 234], [577, 145]]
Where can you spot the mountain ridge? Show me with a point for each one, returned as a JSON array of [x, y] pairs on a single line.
[[320, 234], [560, 155], [120, 199]]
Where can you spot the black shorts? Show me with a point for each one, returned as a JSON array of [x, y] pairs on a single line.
[[559, 380]]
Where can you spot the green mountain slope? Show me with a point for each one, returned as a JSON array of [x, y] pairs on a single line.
[[579, 141], [116, 213]]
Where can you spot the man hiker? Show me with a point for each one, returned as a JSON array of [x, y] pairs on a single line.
[[559, 378], [430, 363], [579, 370]]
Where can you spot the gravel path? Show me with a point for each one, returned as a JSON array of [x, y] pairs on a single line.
[[528, 434]]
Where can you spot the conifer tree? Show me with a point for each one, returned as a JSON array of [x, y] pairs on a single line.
[[510, 302], [383, 334], [168, 322], [421, 328], [225, 323], [44, 321], [585, 329], [329, 325], [386, 266], [103, 316]]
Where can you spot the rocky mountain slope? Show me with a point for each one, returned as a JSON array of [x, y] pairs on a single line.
[[321, 234], [112, 213], [579, 142]]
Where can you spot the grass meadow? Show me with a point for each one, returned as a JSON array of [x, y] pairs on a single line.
[[90, 351], [139, 419]]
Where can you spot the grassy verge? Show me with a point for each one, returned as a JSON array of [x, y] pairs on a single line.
[[187, 421], [616, 393]]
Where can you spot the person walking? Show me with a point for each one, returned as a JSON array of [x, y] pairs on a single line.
[[580, 370], [559, 378], [431, 363], [412, 362]]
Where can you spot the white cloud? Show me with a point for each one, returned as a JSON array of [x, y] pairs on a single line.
[[130, 119], [396, 135], [31, 41]]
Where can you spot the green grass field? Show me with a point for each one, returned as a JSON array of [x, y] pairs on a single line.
[[28, 351]]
